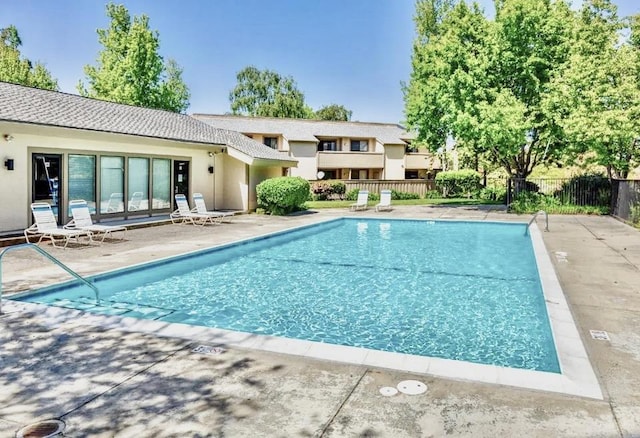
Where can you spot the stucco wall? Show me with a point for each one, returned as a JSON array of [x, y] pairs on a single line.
[[235, 184], [393, 162], [305, 152], [257, 175]]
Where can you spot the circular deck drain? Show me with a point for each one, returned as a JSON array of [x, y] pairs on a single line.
[[412, 387], [42, 429], [388, 391]]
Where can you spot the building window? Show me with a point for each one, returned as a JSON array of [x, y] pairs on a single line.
[[359, 145], [327, 145], [111, 184], [82, 179], [138, 184], [161, 183], [272, 142], [359, 174], [329, 174], [411, 174]]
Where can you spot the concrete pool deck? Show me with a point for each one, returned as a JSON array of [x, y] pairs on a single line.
[[110, 382]]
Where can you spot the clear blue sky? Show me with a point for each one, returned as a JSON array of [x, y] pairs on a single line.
[[350, 52]]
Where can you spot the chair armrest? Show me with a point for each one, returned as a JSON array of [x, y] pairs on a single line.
[[71, 225]]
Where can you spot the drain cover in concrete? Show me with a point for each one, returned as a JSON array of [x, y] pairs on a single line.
[[599, 335], [42, 429], [388, 391], [206, 349], [412, 387]]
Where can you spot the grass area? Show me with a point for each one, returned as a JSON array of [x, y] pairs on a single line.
[[455, 201]]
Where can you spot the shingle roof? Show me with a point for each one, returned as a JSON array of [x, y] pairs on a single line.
[[42, 107], [308, 130]]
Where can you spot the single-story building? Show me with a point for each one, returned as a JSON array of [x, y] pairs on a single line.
[[125, 161], [335, 149]]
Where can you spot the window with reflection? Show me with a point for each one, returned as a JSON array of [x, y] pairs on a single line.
[[82, 179], [111, 184], [161, 183], [138, 184]]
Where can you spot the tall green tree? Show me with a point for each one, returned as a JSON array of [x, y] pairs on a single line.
[[333, 112], [129, 68], [268, 94], [598, 93], [18, 70], [483, 81]]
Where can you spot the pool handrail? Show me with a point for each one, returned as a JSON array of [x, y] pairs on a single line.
[[53, 259], [546, 221]]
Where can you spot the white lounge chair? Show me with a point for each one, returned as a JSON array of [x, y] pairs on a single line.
[[184, 214], [385, 201], [46, 226], [201, 208], [82, 221], [361, 202]]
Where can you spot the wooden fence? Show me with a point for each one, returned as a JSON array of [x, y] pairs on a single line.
[[419, 186]]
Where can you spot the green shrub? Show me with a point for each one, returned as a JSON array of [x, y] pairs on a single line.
[[352, 195], [591, 188], [403, 195], [530, 202], [634, 215], [493, 194], [338, 187], [432, 194], [283, 195], [321, 190], [324, 190], [458, 183]]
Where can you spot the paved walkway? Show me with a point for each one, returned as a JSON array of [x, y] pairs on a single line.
[[107, 382]]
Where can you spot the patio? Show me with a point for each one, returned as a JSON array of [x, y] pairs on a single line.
[[114, 382]]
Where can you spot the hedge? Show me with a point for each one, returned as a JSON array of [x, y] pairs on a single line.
[[283, 195]]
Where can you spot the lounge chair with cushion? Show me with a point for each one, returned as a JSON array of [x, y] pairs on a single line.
[[361, 202], [385, 201], [201, 208], [46, 226], [184, 214], [82, 221]]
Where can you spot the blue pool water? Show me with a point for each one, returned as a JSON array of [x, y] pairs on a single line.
[[458, 290]]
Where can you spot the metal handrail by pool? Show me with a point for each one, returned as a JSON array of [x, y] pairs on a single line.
[[546, 221], [50, 257]]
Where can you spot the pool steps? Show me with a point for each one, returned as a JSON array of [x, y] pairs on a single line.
[[110, 307]]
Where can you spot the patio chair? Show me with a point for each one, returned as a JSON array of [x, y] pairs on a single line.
[[385, 201], [201, 208], [46, 227], [361, 202], [82, 221], [184, 214]]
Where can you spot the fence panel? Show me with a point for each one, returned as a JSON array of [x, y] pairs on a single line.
[[419, 186], [625, 202], [586, 191]]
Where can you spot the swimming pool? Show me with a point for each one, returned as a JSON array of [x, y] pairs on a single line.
[[458, 290]]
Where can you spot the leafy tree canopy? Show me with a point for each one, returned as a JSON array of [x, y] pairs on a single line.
[[268, 94], [597, 94], [333, 112], [18, 70], [483, 81], [129, 68]]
